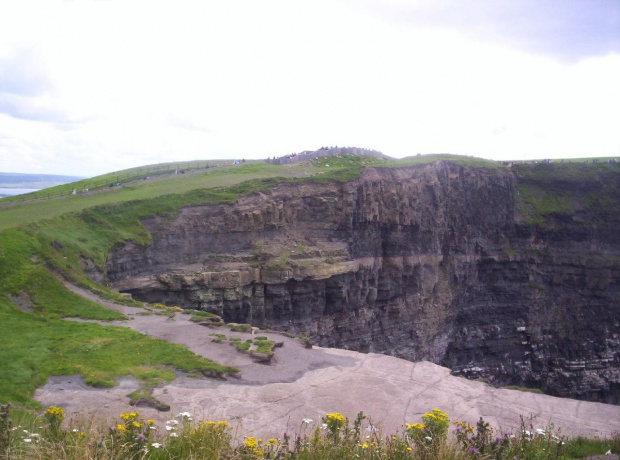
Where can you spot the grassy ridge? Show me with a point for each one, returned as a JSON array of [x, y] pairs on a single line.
[[343, 167]]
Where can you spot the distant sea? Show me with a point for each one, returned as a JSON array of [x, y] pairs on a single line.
[[16, 191]]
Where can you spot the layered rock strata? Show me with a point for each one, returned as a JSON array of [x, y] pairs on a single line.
[[434, 262]]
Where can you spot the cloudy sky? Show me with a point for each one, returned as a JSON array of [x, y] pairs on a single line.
[[88, 87]]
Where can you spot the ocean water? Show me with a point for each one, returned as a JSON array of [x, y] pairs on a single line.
[[17, 191]]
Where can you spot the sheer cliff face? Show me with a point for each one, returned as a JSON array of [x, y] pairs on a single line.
[[428, 262]]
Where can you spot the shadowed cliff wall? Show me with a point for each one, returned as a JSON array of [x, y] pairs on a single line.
[[457, 265]]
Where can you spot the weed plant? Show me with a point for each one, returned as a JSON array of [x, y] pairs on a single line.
[[334, 438]]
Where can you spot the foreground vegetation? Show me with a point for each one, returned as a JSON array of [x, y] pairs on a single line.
[[49, 436]]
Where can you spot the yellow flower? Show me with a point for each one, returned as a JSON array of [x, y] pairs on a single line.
[[335, 417], [55, 412], [121, 428], [149, 422], [250, 442], [415, 426], [136, 425]]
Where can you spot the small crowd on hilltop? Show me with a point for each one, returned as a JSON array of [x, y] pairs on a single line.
[[322, 152]]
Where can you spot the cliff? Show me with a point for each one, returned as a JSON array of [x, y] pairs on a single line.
[[507, 274]]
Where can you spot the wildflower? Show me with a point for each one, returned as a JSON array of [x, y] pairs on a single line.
[[472, 449], [409, 449], [323, 426], [54, 412], [75, 430], [540, 431], [184, 414], [149, 422], [27, 440], [156, 445], [174, 435], [307, 421], [272, 440], [415, 426], [250, 442], [335, 417], [428, 438], [372, 428], [168, 428]]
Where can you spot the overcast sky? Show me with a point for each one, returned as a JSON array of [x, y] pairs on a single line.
[[88, 87]]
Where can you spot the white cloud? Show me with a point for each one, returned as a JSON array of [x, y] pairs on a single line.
[[107, 85]]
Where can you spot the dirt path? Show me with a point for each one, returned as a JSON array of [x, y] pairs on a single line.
[[308, 383]]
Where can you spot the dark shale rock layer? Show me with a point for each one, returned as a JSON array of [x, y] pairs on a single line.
[[438, 262]]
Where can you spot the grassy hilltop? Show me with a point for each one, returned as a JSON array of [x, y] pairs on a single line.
[[45, 237]]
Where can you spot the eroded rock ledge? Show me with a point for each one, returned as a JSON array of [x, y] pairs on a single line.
[[428, 262]]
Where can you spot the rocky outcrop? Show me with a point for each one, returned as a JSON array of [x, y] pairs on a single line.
[[439, 262]]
